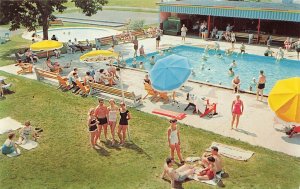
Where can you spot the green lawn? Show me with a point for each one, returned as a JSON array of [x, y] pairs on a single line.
[[64, 158]]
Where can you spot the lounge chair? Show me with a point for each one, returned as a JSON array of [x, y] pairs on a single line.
[[63, 83], [85, 90], [150, 91], [25, 68], [209, 111], [294, 130], [164, 96]]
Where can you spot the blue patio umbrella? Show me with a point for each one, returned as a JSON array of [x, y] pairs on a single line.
[[170, 73]]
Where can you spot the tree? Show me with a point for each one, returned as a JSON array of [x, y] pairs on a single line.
[[34, 13]]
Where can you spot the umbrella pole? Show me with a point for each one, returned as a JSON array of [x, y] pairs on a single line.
[[123, 98]]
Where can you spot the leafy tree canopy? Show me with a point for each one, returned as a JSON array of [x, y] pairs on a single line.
[[34, 13]]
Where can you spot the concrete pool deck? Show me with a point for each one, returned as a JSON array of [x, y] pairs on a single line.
[[257, 125]]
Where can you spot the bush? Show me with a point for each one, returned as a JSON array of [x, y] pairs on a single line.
[[136, 25]]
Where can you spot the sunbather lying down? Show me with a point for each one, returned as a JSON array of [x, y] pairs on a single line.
[[182, 173]]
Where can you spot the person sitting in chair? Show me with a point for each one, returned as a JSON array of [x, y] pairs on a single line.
[[105, 79]]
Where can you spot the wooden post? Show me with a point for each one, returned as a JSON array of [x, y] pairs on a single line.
[[258, 30], [208, 26]]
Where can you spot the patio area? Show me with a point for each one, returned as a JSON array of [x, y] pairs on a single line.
[[257, 124]]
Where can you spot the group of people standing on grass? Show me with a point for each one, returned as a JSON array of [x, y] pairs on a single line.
[[100, 117]]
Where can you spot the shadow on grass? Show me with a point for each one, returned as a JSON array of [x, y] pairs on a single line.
[[135, 147], [110, 146], [101, 151], [176, 185]]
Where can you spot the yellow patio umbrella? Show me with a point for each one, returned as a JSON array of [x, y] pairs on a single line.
[[96, 53], [46, 45], [284, 99]]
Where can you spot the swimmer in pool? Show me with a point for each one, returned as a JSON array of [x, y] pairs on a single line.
[[217, 46], [233, 64], [228, 52], [230, 72], [220, 56], [202, 66], [152, 60], [206, 49]]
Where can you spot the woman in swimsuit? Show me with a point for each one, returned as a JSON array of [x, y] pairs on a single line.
[[174, 140], [88, 79], [237, 109], [209, 172], [92, 126], [112, 118], [123, 124]]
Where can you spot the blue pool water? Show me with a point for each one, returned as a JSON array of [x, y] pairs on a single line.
[[216, 70]]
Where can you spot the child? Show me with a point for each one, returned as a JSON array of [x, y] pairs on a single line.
[[9, 145], [233, 64], [253, 84], [152, 60], [134, 63], [25, 133], [141, 66]]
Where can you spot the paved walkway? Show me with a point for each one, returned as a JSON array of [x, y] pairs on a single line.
[[116, 16], [257, 125]]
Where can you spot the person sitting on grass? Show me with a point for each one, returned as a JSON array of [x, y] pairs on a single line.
[[215, 154], [180, 174], [25, 133], [9, 145], [210, 171]]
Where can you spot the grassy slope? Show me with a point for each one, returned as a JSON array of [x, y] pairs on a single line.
[[65, 160]]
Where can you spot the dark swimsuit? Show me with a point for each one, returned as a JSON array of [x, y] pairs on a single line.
[[93, 126], [123, 119], [261, 86], [102, 121]]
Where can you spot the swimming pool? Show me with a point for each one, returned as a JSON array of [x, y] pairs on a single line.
[[215, 70], [80, 33]]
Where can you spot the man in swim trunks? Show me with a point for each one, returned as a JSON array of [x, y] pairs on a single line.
[[101, 113], [261, 85], [214, 153]]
